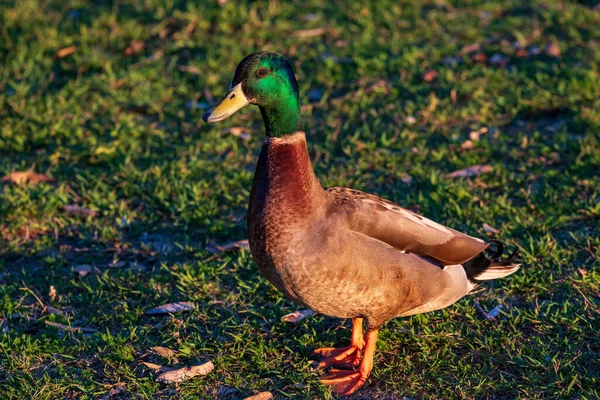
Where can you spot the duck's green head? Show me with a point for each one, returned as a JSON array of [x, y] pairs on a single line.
[[266, 80]]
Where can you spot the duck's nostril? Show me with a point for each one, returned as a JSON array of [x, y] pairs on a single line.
[[232, 96]]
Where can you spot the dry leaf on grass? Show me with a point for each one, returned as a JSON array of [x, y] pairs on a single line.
[[552, 50], [182, 374], [135, 46], [479, 57], [406, 178], [239, 132], [469, 49], [261, 396], [69, 328], [297, 316], [467, 145], [231, 246], [430, 75], [80, 211], [166, 353], [521, 53], [21, 178], [83, 269], [62, 53], [189, 68], [52, 292], [153, 367], [172, 308], [471, 171], [489, 229], [118, 389], [476, 135], [310, 32], [410, 120]]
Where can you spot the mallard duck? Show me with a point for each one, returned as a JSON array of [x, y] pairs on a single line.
[[343, 252]]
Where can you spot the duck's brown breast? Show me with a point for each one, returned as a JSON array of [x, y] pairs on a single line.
[[285, 199]]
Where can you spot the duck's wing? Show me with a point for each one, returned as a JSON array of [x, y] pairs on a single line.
[[403, 229]]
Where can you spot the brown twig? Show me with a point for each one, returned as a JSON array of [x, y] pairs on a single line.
[[34, 295]]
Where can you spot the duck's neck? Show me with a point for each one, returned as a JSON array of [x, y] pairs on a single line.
[[284, 176], [282, 118]]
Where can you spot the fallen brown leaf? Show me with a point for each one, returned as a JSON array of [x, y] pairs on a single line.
[[310, 32], [467, 145], [489, 229], [69, 328], [476, 135], [153, 367], [406, 178], [82, 270], [172, 308], [52, 292], [238, 132], [470, 171], [182, 374], [80, 211], [552, 50], [297, 316], [62, 53], [469, 49], [430, 75], [521, 53], [166, 353], [479, 57], [453, 96], [21, 178], [261, 396], [231, 246], [135, 46], [189, 68], [113, 392]]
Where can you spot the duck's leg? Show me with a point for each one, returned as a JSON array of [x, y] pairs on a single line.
[[345, 382], [344, 357]]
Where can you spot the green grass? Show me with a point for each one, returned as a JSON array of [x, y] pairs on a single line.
[[121, 135]]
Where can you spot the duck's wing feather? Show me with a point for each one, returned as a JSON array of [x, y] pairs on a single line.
[[403, 229]]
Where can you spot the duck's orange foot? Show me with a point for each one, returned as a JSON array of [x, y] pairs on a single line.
[[344, 357], [344, 382]]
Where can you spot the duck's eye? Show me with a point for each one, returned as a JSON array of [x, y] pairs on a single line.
[[262, 72]]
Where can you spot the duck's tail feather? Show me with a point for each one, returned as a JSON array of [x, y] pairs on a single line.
[[482, 268]]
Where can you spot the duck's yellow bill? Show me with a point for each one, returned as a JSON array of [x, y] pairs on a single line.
[[233, 101]]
